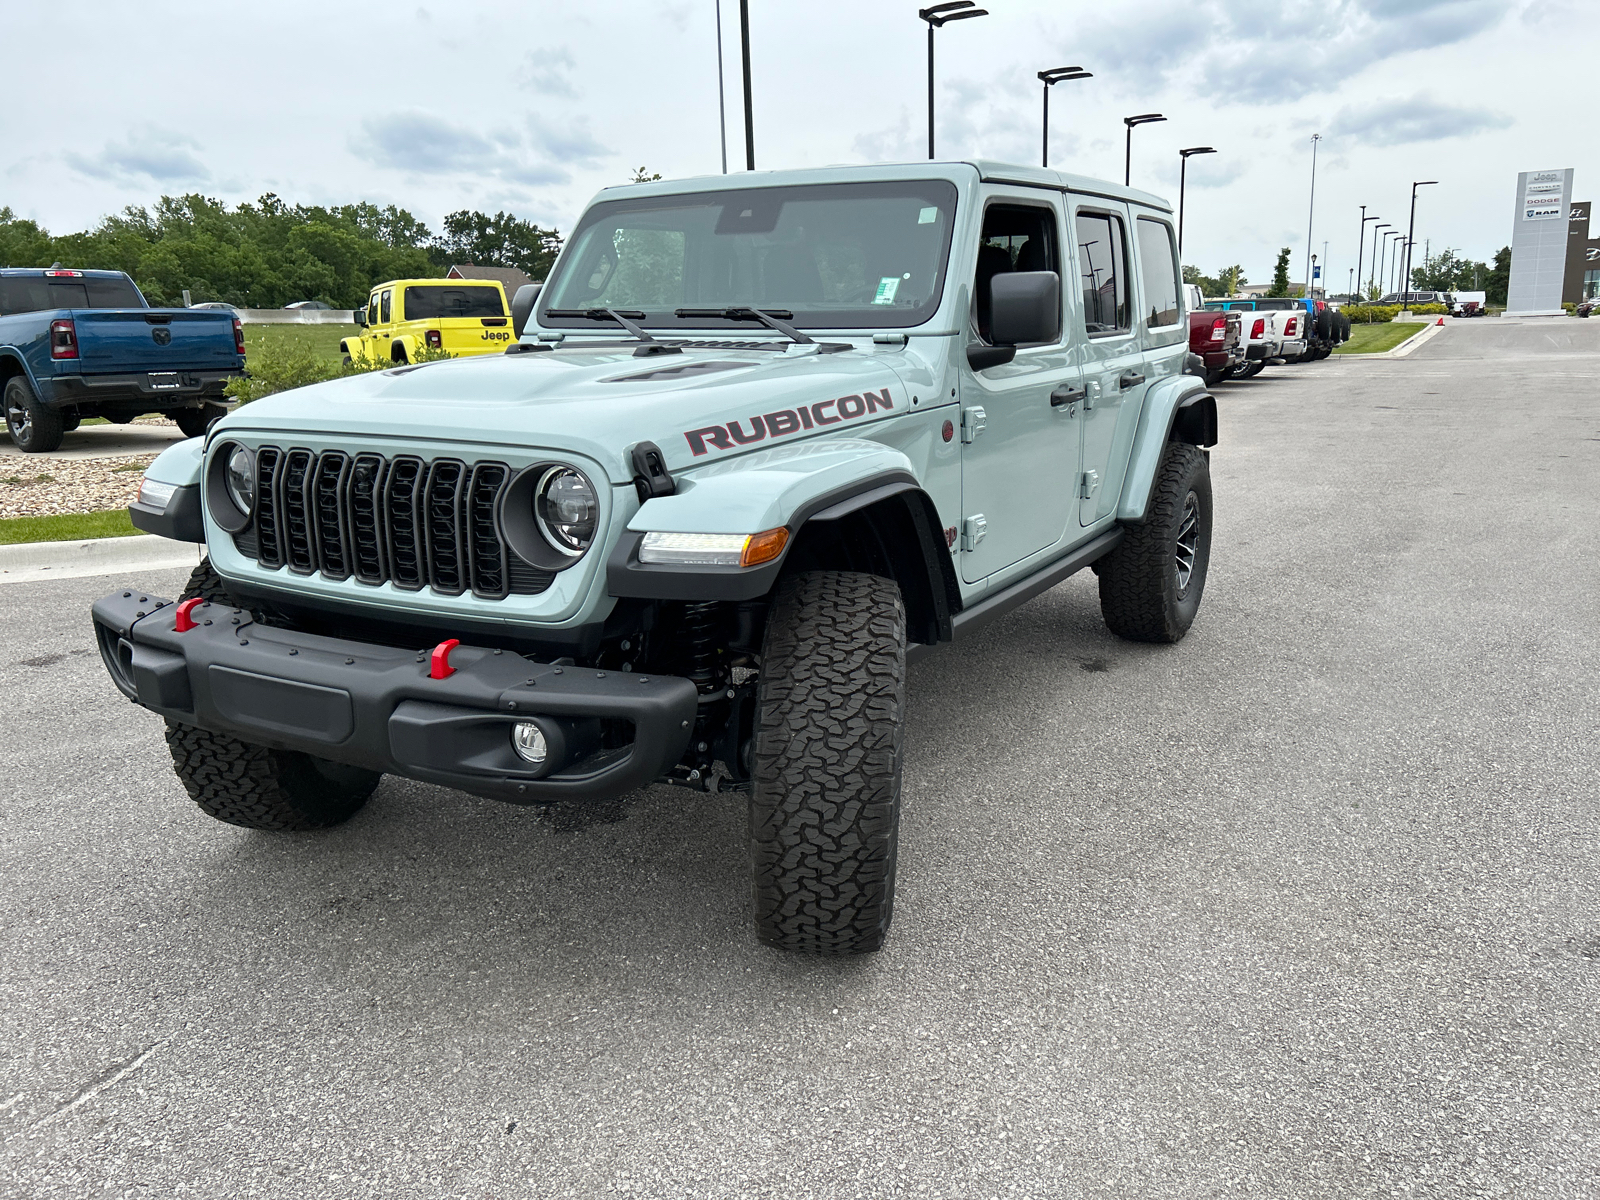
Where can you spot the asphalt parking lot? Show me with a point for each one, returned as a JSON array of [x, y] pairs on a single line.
[[1306, 906]]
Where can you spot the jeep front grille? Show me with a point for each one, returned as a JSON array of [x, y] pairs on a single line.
[[408, 521]]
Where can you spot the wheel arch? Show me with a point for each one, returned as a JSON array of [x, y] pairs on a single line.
[[1179, 409]]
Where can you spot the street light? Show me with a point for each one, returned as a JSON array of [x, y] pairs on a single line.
[[1394, 254], [1315, 138], [1130, 122], [1362, 243], [937, 17], [1411, 239], [1183, 172], [1375, 238], [1056, 75]]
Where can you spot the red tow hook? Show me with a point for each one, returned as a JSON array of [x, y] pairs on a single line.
[[185, 622], [441, 668]]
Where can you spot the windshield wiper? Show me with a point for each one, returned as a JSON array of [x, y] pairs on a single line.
[[653, 344], [770, 319]]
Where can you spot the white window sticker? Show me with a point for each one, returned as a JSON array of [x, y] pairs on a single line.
[[887, 287], [927, 216]]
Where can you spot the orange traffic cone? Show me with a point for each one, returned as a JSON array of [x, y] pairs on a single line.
[[1441, 320]]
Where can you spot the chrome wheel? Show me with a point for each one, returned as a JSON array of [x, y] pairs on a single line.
[[18, 419], [1188, 538]]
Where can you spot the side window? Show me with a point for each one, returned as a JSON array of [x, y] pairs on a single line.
[[383, 306], [372, 309], [1158, 271], [1016, 237], [1102, 262]]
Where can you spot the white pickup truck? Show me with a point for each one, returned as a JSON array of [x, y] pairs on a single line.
[[1270, 337]]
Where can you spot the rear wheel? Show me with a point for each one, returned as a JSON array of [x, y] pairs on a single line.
[[825, 800], [193, 422], [1213, 378], [1151, 584], [253, 786], [33, 427]]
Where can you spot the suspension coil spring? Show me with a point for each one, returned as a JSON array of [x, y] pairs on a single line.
[[700, 645]]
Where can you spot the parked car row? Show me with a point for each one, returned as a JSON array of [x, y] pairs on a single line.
[[1238, 339]]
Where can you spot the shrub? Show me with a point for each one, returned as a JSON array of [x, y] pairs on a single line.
[[280, 369]]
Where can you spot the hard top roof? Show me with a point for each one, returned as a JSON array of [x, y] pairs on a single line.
[[959, 170]]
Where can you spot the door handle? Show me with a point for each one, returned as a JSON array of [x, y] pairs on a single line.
[[1129, 379], [1066, 394]]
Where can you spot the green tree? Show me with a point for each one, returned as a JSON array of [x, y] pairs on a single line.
[[498, 241], [1498, 280], [1230, 280], [1280, 274]]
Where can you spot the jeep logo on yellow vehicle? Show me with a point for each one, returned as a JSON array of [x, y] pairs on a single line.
[[489, 335]]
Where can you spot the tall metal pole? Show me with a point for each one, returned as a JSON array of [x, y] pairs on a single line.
[[1044, 152], [722, 104], [1183, 181], [930, 91], [1378, 266], [1127, 160], [1361, 244], [1311, 212], [749, 113]]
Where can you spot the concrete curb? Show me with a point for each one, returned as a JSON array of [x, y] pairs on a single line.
[[31, 562], [1400, 351]]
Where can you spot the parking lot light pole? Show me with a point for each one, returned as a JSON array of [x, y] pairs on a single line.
[[936, 17], [1056, 75], [1311, 212], [1394, 258], [749, 121], [1411, 235], [1362, 243], [1183, 173], [1383, 240], [1127, 161]]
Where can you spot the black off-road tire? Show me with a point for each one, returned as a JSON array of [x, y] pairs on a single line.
[[34, 428], [1213, 378], [254, 786], [1142, 596], [193, 422], [825, 801]]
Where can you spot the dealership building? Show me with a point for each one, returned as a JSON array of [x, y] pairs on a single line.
[[1581, 280]]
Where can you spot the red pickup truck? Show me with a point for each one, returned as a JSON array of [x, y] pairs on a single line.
[[1216, 337]]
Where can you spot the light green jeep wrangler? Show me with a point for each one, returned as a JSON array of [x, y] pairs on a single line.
[[764, 439]]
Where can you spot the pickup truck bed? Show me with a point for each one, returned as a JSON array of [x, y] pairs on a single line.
[[76, 344]]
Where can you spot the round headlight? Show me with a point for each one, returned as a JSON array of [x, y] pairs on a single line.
[[566, 509], [241, 479]]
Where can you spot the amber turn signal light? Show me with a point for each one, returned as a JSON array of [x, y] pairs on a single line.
[[763, 547]]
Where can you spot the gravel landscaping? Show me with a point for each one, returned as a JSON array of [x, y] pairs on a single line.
[[40, 486]]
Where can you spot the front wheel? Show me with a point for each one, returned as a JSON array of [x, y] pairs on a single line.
[[1151, 584], [193, 422], [32, 426], [825, 800]]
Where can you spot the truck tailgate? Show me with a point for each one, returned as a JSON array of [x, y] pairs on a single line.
[[473, 335], [112, 341]]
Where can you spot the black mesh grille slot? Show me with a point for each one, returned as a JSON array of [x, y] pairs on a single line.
[[442, 523], [333, 540], [296, 532], [268, 460], [401, 494], [525, 579], [364, 503], [486, 552]]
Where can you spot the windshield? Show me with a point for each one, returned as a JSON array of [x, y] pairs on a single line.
[[431, 303], [859, 255]]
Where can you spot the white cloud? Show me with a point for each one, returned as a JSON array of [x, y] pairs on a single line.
[[159, 156]]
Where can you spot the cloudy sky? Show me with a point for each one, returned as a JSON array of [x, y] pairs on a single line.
[[534, 106]]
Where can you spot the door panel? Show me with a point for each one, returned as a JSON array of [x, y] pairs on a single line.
[[1114, 373], [1017, 470]]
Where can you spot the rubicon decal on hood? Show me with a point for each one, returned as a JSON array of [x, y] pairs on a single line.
[[786, 421]]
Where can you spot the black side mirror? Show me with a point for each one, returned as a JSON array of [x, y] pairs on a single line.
[[522, 306], [360, 316], [1025, 307]]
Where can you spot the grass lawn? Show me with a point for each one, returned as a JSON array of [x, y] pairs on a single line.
[[1374, 339], [66, 527], [321, 340]]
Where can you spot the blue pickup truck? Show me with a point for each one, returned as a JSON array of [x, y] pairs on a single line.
[[76, 344]]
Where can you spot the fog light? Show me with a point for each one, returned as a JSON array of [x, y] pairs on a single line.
[[527, 739]]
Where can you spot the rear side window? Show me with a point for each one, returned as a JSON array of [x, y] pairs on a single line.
[[37, 293], [432, 303], [1158, 271], [1102, 264]]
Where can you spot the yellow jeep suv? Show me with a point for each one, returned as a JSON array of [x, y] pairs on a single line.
[[406, 317]]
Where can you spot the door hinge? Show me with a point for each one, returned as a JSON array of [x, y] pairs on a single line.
[[1088, 484], [972, 423], [973, 530]]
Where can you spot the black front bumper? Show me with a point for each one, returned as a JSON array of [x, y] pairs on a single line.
[[377, 706]]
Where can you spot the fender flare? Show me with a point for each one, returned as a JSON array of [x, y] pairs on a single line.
[[406, 342], [181, 518], [1176, 409], [14, 362]]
